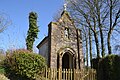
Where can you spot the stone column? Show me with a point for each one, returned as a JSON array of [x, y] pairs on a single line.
[[60, 61]]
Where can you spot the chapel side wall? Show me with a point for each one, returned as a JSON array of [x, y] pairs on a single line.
[[43, 50]]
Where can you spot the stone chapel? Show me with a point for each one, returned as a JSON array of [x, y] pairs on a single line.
[[62, 48]]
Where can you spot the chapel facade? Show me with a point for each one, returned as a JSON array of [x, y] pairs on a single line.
[[62, 48]]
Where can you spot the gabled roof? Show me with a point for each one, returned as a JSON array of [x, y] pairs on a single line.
[[65, 12], [68, 15], [42, 42], [66, 19]]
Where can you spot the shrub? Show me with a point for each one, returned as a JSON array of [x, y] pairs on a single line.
[[2, 57], [95, 62], [109, 68], [23, 65], [2, 70]]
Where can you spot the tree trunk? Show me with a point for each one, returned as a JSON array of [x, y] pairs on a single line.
[[86, 49], [97, 45], [90, 47], [109, 33], [100, 28], [108, 42], [102, 43]]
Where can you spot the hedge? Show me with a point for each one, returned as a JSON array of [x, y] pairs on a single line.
[[109, 68], [23, 65]]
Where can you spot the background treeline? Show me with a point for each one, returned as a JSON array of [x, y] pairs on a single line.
[[99, 21]]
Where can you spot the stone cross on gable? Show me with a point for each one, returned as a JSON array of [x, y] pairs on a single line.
[[65, 7]]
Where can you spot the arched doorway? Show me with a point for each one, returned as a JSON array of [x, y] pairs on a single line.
[[67, 61]]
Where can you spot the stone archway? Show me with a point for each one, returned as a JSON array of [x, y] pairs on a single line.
[[67, 61], [66, 58]]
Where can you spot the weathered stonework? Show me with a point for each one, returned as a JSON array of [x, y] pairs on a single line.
[[64, 44]]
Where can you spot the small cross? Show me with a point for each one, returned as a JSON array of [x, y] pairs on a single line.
[[65, 7]]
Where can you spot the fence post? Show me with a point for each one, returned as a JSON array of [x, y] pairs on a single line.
[[71, 74], [59, 74], [46, 73], [68, 74], [63, 74], [51, 75], [74, 74], [56, 74]]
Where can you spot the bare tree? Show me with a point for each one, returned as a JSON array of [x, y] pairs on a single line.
[[98, 5], [83, 12], [85, 43], [101, 16], [4, 21], [114, 19]]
